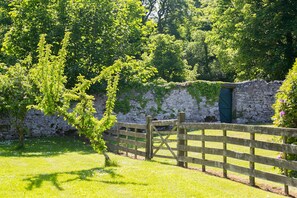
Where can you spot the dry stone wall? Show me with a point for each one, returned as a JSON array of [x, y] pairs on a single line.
[[252, 103], [253, 100]]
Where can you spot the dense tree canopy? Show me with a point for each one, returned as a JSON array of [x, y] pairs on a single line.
[[256, 39], [219, 39], [102, 31]]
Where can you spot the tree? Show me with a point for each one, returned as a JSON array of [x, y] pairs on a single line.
[[165, 54], [75, 105], [102, 32], [16, 93], [5, 22], [285, 108], [256, 39]]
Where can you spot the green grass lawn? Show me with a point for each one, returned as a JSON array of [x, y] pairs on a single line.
[[65, 167]]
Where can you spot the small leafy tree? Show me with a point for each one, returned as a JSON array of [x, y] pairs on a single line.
[[286, 107], [75, 105], [16, 93]]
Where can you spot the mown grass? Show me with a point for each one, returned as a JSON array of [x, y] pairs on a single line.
[[65, 167]]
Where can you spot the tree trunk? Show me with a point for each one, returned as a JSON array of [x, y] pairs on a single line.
[[107, 159], [20, 131]]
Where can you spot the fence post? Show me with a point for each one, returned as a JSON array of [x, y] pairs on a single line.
[[286, 188], [203, 148], [252, 153], [225, 153], [149, 138], [180, 142]]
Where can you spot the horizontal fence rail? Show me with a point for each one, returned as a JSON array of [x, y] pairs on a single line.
[[188, 143], [220, 135], [127, 138]]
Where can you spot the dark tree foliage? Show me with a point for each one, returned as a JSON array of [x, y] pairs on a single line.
[[5, 22], [256, 39]]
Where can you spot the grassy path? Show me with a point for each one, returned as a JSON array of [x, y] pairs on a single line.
[[64, 167]]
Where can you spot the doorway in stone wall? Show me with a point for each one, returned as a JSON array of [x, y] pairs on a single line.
[[225, 105]]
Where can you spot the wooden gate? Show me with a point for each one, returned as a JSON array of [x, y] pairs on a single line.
[[164, 143]]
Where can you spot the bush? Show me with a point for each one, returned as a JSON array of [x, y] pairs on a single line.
[[16, 93], [286, 108]]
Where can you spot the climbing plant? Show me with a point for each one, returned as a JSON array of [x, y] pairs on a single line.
[[197, 89], [210, 90]]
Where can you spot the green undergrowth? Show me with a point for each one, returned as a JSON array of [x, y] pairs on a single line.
[[136, 92], [65, 167]]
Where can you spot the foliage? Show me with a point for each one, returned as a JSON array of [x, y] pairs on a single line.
[[160, 89], [5, 22], [16, 93], [75, 105], [54, 98], [286, 107], [165, 54], [102, 32], [254, 39], [210, 90]]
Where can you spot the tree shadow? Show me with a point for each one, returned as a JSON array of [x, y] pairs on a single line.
[[46, 146], [85, 175]]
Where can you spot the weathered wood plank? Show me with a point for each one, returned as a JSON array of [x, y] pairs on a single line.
[[164, 156], [196, 149], [224, 153], [242, 170], [131, 134], [288, 148], [135, 152], [164, 122], [131, 125], [290, 132], [209, 138], [292, 165], [126, 141], [164, 148], [166, 132], [275, 178], [159, 140]]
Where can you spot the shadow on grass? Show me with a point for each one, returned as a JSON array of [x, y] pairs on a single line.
[[46, 146], [82, 175]]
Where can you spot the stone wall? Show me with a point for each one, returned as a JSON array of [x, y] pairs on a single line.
[[253, 100], [252, 103], [177, 100]]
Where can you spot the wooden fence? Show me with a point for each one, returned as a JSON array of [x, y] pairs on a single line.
[[139, 139]]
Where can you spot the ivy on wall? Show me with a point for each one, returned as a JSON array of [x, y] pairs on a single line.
[[209, 90], [136, 92]]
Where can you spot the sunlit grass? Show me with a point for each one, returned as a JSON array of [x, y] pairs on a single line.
[[65, 167]]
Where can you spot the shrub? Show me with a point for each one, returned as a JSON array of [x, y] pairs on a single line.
[[16, 93], [286, 108]]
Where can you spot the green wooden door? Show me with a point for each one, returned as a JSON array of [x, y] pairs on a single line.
[[225, 105]]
